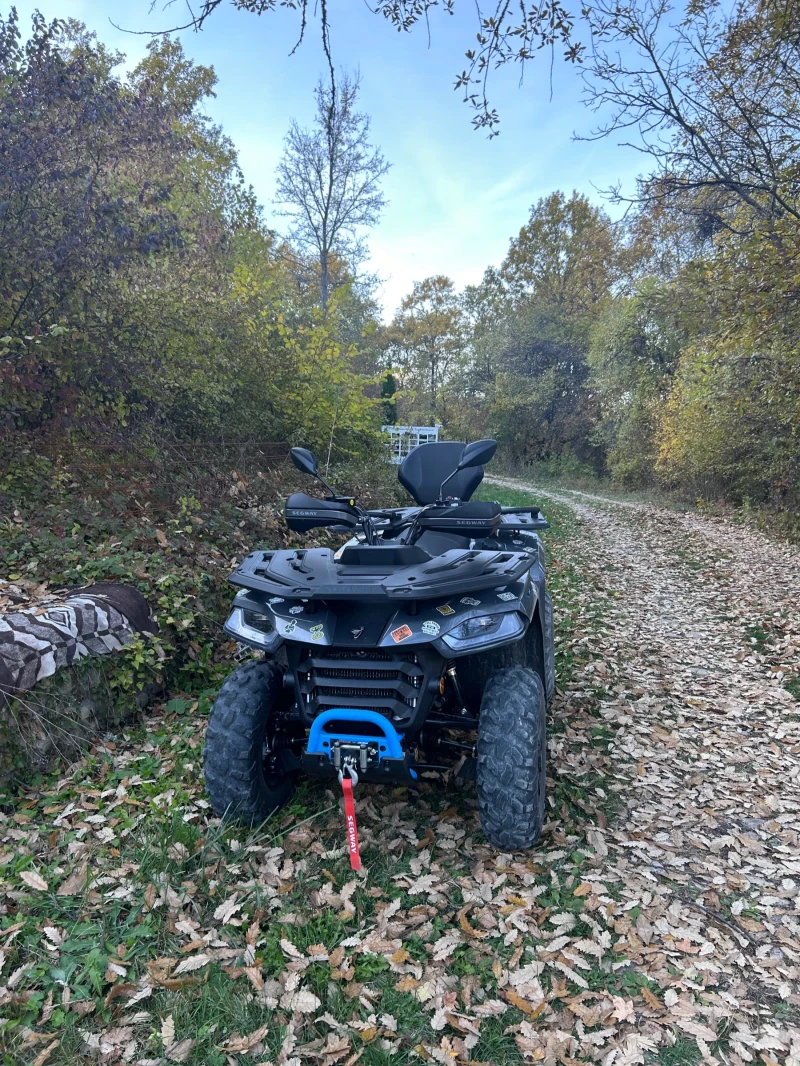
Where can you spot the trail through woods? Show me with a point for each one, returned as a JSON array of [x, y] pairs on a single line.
[[702, 628]]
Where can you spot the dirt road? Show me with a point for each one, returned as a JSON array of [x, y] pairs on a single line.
[[703, 628]]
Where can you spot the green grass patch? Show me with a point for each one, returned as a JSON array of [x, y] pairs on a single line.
[[684, 1052]]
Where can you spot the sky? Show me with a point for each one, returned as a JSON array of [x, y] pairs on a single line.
[[455, 197]]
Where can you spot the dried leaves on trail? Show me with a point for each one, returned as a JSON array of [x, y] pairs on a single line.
[[658, 920]]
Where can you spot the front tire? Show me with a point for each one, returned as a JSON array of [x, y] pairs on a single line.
[[237, 779], [512, 757]]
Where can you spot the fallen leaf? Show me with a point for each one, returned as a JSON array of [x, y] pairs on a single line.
[[151, 892], [244, 1043], [303, 1002], [623, 1008], [167, 1031], [650, 999], [226, 910], [74, 884], [518, 1001], [193, 963], [477, 934], [34, 880], [45, 1054], [181, 1051]]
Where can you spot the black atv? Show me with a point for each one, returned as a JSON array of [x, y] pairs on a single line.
[[431, 621]]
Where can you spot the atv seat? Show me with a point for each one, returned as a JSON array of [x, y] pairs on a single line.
[[424, 469]]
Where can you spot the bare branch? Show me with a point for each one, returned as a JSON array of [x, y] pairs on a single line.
[[329, 180]]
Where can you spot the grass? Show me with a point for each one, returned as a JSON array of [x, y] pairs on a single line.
[[684, 1052], [583, 480]]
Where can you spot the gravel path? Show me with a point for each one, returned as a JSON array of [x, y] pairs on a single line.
[[709, 744]]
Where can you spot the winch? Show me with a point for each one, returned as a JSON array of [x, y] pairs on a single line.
[[335, 743]]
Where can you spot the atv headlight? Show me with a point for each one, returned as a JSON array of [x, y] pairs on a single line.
[[261, 622], [252, 628], [476, 627], [485, 631]]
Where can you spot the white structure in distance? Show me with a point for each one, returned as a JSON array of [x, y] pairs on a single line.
[[403, 439]]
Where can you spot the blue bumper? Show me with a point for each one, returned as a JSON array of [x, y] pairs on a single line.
[[374, 750]]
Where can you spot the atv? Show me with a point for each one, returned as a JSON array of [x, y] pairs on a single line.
[[424, 643]]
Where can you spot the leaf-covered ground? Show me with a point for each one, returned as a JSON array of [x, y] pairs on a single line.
[[658, 920]]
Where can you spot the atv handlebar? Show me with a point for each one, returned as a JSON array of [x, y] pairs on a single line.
[[391, 512]]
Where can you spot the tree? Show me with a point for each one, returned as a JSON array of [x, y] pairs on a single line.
[[425, 340], [566, 255], [558, 275], [329, 181], [140, 293], [85, 190], [632, 359], [714, 101]]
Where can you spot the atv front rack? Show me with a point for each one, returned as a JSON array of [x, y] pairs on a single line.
[[314, 573]]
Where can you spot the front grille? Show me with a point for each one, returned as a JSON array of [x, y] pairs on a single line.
[[341, 674], [380, 682]]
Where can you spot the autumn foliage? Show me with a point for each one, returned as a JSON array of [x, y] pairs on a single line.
[[660, 349], [141, 293]]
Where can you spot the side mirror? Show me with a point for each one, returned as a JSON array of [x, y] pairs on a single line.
[[305, 460], [478, 453], [475, 454]]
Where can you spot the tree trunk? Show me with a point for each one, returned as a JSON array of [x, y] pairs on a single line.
[[323, 280]]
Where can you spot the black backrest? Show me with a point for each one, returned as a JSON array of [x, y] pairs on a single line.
[[424, 469]]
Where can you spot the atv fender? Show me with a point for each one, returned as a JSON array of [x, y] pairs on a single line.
[[475, 670]]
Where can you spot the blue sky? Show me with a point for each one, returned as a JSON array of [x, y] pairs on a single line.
[[455, 197]]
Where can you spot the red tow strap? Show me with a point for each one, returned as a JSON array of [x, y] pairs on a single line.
[[350, 823]]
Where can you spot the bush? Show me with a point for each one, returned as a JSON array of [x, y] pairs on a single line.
[[172, 529]]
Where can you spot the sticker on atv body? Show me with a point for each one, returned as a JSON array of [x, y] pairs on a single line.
[[317, 632], [401, 633], [275, 599], [290, 627], [445, 609], [470, 602], [507, 596], [295, 610], [431, 629]]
